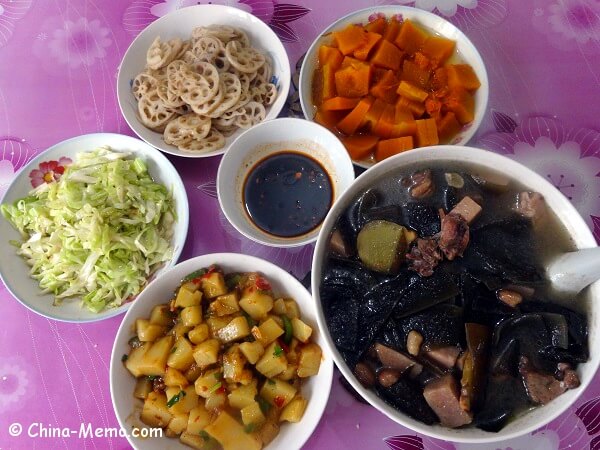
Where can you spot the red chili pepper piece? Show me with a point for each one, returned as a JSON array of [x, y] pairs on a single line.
[[279, 401], [263, 284]]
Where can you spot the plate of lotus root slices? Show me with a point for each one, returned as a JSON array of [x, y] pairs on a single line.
[[195, 79]]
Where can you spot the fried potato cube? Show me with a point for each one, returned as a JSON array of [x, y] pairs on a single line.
[[252, 414], [278, 392], [267, 332], [188, 399], [252, 351], [174, 378], [191, 316], [236, 329], [199, 333], [186, 298], [301, 331], [147, 331], [309, 360], [213, 285], [198, 419], [242, 396], [231, 434], [177, 424], [161, 315], [135, 360], [206, 353], [155, 359], [256, 303], [181, 354], [273, 361], [294, 410], [225, 305], [155, 412]]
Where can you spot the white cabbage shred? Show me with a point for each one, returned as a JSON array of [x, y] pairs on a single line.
[[99, 232]]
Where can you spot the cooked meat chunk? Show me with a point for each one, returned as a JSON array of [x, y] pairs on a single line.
[[468, 209], [424, 256], [387, 377], [442, 395], [443, 356], [543, 388], [393, 359], [454, 236], [532, 205], [568, 376], [364, 374], [510, 298], [421, 184]]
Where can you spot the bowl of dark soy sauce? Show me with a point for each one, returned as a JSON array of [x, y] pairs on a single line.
[[279, 180]]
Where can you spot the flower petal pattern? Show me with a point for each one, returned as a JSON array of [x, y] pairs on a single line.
[[404, 442]]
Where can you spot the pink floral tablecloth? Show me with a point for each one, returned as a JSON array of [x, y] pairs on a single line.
[[58, 66]]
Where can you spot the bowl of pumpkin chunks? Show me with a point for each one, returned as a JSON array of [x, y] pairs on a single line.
[[388, 79]]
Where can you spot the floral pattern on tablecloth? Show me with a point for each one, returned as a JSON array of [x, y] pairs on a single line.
[[277, 15]]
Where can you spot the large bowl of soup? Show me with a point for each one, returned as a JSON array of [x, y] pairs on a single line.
[[429, 276]]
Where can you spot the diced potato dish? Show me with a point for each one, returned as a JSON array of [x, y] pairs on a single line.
[[222, 363]]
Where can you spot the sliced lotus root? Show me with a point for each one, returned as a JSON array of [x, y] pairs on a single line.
[[242, 38], [204, 109], [254, 113], [189, 57], [221, 62], [185, 47], [224, 129], [244, 79], [153, 113], [197, 89], [214, 141], [180, 110], [232, 90], [169, 97], [225, 123], [265, 72], [188, 127], [244, 59], [206, 48], [224, 33], [162, 53], [210, 74], [142, 84], [270, 95]]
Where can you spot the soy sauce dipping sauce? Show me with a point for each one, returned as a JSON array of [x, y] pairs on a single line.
[[287, 194]]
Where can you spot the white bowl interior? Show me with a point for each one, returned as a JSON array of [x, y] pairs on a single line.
[[567, 214], [315, 389], [272, 137], [465, 50], [180, 23], [13, 269]]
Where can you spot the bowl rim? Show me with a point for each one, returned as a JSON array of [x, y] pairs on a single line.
[[224, 258], [275, 42], [161, 160], [390, 10], [227, 159], [470, 155]]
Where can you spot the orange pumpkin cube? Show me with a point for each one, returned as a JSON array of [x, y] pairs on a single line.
[[438, 48], [350, 38], [411, 92], [350, 61], [362, 52], [462, 76], [462, 104], [392, 30], [339, 103], [390, 147], [386, 122], [411, 37], [426, 133], [402, 113], [353, 81], [385, 87], [377, 26], [374, 113], [387, 55], [330, 55], [408, 128], [416, 75], [354, 119], [416, 108], [360, 146], [328, 90], [329, 119], [448, 127]]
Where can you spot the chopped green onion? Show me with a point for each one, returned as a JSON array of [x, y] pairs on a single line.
[[250, 428], [152, 377], [278, 351], [193, 275], [263, 404], [271, 382], [124, 357], [204, 435], [174, 349], [175, 399], [215, 387], [219, 375], [289, 330]]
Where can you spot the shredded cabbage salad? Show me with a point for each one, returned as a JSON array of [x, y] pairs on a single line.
[[99, 232]]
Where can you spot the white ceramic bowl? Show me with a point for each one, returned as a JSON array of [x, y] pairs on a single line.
[[15, 272], [464, 48], [315, 389], [566, 213], [272, 137], [180, 23]]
